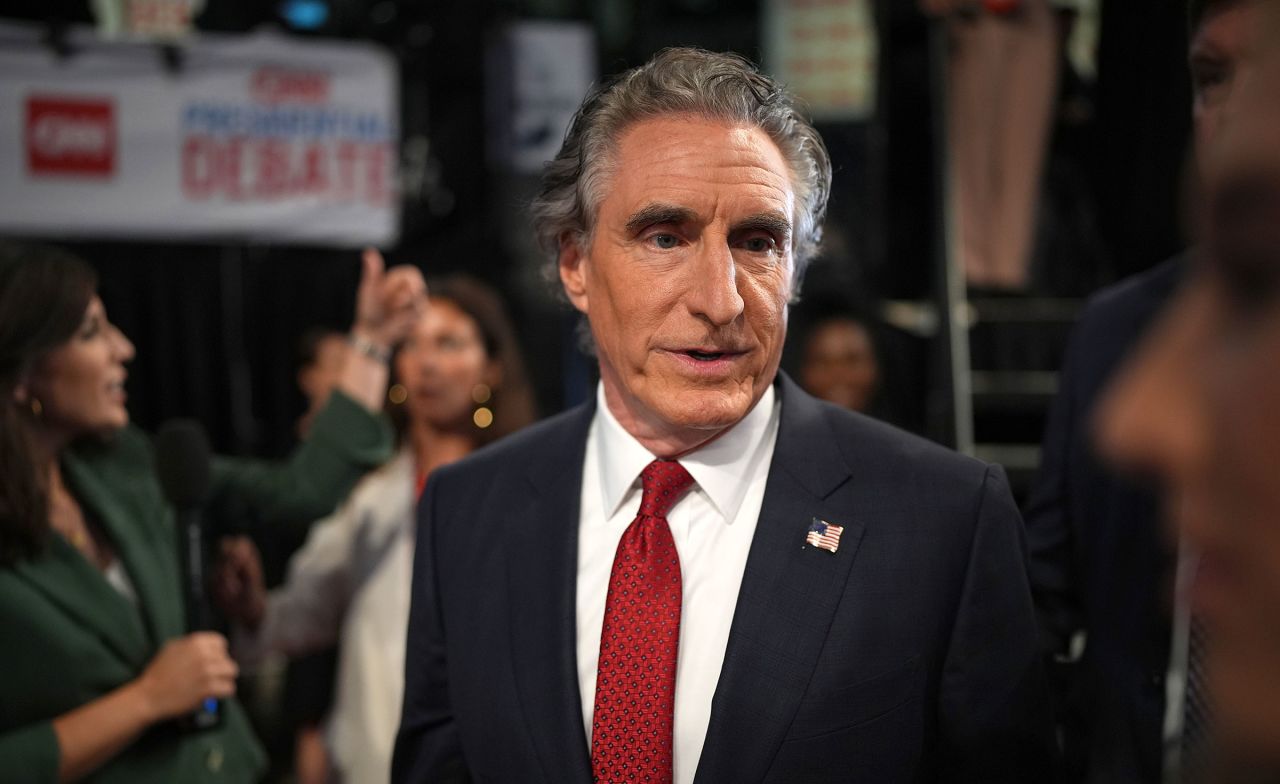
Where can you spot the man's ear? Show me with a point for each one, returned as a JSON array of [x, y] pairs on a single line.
[[574, 270]]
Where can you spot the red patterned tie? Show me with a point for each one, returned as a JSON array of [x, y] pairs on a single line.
[[636, 681]]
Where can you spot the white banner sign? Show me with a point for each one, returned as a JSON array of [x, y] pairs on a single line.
[[259, 137]]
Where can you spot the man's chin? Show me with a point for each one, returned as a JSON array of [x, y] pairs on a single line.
[[711, 410]]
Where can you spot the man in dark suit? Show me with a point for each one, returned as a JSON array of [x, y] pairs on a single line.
[[1099, 560], [707, 574], [1102, 570]]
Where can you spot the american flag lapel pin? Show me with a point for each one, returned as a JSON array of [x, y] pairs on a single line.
[[824, 535]]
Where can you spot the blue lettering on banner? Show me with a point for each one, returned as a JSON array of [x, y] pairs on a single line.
[[284, 122]]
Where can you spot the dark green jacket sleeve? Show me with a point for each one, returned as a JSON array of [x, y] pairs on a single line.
[[30, 754], [345, 442]]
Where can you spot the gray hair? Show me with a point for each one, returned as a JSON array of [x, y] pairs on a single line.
[[681, 81]]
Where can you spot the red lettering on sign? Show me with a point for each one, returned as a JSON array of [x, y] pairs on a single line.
[[348, 154], [314, 177], [245, 169], [272, 169], [377, 189], [199, 167], [274, 85]]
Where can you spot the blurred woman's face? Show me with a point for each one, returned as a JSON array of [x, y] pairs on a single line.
[[80, 384], [839, 364], [441, 364], [1200, 407]]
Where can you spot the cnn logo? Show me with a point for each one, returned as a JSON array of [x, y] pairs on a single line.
[[70, 136]]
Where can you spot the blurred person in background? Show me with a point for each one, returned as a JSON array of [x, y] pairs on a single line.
[[1197, 408], [308, 687], [299, 692], [96, 663], [322, 354], [1101, 570], [460, 384], [832, 352]]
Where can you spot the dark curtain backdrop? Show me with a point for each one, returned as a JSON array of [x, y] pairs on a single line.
[[1142, 131], [217, 329]]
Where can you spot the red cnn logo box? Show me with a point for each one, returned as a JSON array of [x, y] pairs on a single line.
[[70, 136]]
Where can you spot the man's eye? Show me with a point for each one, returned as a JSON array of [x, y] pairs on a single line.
[[665, 241], [1207, 78], [758, 244]]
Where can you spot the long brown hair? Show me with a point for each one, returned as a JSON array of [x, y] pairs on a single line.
[[44, 293]]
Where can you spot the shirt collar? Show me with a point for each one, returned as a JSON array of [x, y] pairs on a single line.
[[723, 469]]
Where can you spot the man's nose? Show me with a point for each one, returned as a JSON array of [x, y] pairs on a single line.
[[713, 290]]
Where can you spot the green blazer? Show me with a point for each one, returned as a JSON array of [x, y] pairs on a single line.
[[70, 637]]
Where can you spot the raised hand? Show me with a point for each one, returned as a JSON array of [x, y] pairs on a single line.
[[388, 301]]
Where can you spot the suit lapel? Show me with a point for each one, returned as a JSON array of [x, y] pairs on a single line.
[[126, 504], [73, 585], [542, 574], [787, 601]]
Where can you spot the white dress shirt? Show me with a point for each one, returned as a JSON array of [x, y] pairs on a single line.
[[1175, 683], [712, 526], [350, 583]]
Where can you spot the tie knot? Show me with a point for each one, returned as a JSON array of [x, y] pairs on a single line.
[[663, 482]]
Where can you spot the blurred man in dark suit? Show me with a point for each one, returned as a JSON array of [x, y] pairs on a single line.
[[1197, 407], [1101, 569]]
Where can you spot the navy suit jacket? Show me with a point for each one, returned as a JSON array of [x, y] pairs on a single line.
[[909, 655], [1100, 561]]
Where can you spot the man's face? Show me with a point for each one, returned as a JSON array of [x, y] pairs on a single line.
[[686, 277], [1198, 407], [1221, 52]]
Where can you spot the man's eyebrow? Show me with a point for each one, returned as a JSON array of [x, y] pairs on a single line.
[[770, 222], [1206, 54], [655, 214]]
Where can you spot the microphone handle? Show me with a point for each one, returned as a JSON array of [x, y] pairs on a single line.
[[199, 618], [192, 554]]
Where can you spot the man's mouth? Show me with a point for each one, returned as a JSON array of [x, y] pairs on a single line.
[[707, 356]]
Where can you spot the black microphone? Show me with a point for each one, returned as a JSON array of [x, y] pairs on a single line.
[[182, 465]]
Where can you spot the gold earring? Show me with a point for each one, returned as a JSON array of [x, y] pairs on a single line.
[[483, 415], [397, 394], [36, 408]]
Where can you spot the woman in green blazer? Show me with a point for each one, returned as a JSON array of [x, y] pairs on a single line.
[[95, 670]]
